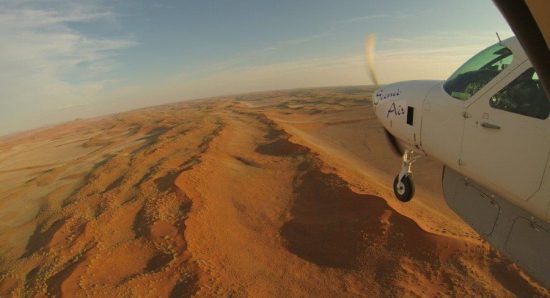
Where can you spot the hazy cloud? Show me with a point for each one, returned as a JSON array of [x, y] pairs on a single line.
[[392, 65], [364, 18], [48, 64]]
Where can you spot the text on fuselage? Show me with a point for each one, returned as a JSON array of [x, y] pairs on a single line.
[[395, 110], [381, 94]]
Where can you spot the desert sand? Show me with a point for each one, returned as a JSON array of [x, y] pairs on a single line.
[[283, 193]]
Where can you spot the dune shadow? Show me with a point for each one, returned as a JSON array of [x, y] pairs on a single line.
[[185, 288], [281, 147], [41, 237], [54, 283], [333, 226], [150, 138], [247, 162], [158, 261], [328, 220], [508, 275]]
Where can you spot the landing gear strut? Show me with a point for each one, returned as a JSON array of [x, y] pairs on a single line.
[[403, 185]]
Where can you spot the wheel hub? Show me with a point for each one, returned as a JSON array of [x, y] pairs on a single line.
[[400, 188]]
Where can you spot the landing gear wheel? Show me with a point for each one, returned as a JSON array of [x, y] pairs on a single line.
[[404, 190]]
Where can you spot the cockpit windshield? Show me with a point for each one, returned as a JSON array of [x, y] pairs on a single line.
[[478, 71]]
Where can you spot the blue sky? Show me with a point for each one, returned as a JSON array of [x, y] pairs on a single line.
[[66, 59]]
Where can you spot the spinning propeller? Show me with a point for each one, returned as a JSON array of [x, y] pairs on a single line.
[[370, 44]]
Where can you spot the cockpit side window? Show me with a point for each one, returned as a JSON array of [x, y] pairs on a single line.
[[478, 71], [524, 95]]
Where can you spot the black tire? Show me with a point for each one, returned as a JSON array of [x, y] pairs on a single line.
[[405, 193]]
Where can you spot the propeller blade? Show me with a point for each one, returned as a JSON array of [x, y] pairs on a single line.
[[394, 143], [370, 45]]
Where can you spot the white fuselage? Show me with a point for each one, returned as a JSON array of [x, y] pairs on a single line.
[[505, 152]]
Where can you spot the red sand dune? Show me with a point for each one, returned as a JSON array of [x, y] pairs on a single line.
[[268, 194]]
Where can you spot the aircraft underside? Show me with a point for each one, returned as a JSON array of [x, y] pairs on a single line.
[[512, 230]]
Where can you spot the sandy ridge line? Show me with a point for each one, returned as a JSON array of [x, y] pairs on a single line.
[[413, 240], [370, 181]]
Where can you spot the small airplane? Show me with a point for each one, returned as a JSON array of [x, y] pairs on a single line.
[[489, 124]]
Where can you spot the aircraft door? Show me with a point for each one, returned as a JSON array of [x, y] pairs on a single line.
[[442, 126], [506, 139]]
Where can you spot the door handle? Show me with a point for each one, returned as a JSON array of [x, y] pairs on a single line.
[[489, 125]]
